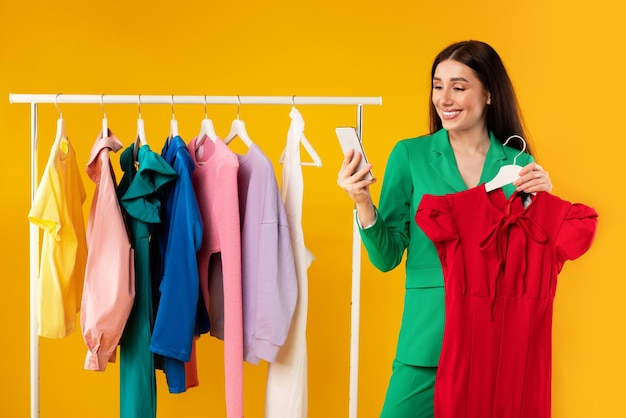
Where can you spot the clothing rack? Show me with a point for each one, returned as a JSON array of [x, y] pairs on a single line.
[[102, 99]]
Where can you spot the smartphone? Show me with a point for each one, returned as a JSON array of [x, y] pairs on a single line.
[[349, 139]]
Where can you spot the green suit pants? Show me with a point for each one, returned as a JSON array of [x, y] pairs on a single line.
[[410, 392]]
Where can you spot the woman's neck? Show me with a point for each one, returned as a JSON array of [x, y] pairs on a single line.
[[470, 141]]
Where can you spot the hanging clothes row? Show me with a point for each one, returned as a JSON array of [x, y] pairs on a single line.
[[194, 240]]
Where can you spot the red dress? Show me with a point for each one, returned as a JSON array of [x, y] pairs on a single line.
[[500, 264]]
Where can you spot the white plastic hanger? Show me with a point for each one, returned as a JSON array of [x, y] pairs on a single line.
[[140, 139], [206, 128], [238, 128], [141, 131], [61, 134], [173, 123], [105, 125], [317, 161], [507, 173]]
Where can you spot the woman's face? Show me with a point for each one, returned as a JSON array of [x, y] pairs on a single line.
[[459, 97]]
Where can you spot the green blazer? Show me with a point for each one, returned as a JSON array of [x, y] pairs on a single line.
[[418, 166]]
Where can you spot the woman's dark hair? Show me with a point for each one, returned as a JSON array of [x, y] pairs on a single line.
[[503, 114]]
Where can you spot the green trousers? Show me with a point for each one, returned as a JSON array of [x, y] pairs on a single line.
[[410, 392]]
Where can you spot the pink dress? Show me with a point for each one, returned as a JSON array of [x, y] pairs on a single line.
[[219, 259], [109, 289]]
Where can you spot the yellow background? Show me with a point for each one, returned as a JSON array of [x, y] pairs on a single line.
[[566, 60]]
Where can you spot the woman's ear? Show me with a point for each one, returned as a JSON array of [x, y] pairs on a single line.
[[488, 98]]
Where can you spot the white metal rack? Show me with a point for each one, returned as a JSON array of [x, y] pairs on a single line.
[[35, 99]]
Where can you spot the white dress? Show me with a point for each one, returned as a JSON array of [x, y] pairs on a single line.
[[287, 377]]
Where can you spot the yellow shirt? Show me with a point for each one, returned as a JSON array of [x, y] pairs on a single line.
[[57, 210]]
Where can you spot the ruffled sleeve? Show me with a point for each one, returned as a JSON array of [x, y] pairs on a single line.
[[140, 199], [434, 217], [577, 233]]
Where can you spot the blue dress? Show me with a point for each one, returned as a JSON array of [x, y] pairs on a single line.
[[176, 241]]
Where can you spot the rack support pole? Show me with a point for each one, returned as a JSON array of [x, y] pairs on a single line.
[[356, 295], [34, 270]]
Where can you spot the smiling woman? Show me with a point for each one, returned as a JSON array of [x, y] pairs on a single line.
[[473, 110], [461, 102]]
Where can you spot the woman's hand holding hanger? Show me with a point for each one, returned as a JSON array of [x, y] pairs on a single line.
[[533, 178]]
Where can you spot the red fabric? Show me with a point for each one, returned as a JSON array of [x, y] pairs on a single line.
[[500, 264], [191, 368]]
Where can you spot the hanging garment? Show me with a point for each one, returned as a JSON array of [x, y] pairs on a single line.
[[137, 193], [109, 278], [270, 287], [287, 377], [219, 258], [175, 278], [57, 210], [500, 263]]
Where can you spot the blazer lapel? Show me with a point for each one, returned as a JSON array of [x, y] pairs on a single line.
[[443, 161], [495, 159]]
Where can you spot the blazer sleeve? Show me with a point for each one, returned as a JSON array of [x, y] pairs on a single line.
[[388, 238]]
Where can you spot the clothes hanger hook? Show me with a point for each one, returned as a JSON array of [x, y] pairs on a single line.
[[56, 104], [293, 100], [523, 146], [172, 98], [206, 114], [102, 105], [139, 104], [238, 106]]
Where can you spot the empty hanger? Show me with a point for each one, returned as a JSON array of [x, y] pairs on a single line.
[[295, 113], [238, 128], [140, 139], [173, 123], [206, 128], [105, 125], [507, 173], [317, 161], [61, 134]]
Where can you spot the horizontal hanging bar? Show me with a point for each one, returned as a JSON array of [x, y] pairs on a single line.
[[152, 99]]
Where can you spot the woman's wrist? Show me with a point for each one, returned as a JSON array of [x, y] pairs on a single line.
[[366, 215]]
